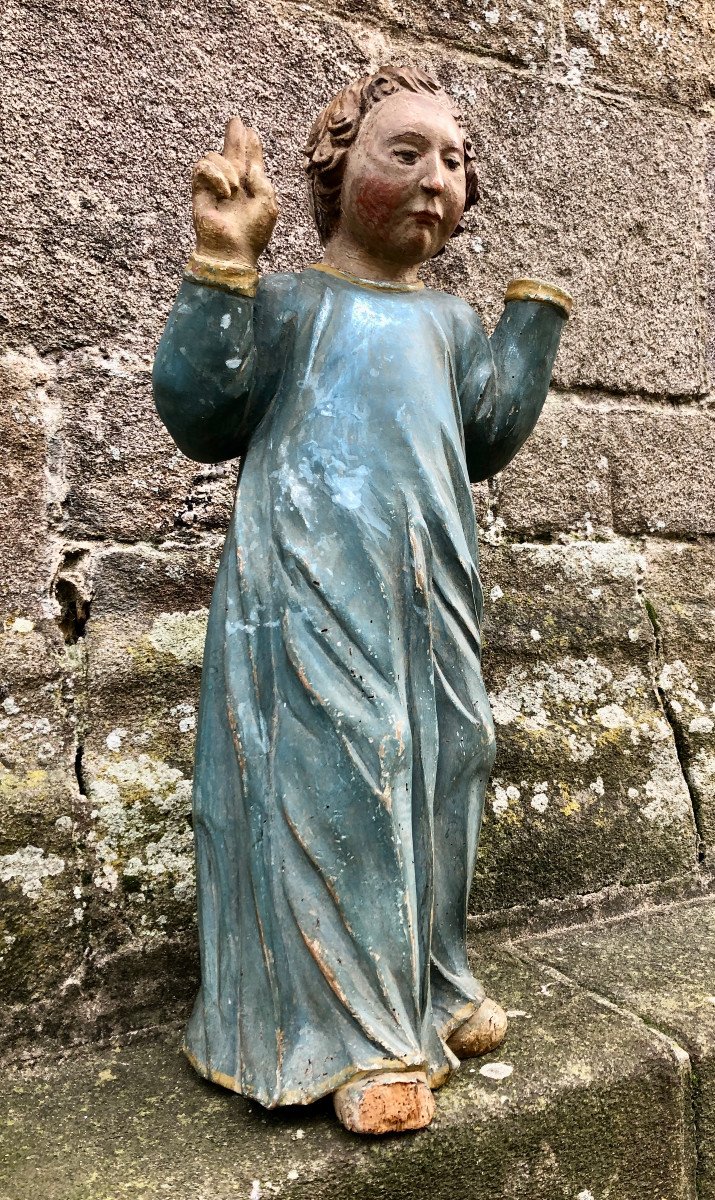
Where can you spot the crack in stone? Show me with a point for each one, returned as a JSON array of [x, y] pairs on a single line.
[[78, 768], [680, 746]]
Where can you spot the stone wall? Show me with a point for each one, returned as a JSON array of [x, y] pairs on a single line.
[[593, 125]]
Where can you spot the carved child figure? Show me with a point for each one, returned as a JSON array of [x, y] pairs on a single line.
[[345, 739]]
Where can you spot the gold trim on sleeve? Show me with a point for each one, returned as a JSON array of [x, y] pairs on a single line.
[[538, 289], [220, 272]]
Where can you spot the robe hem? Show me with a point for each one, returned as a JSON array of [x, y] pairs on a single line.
[[326, 1088]]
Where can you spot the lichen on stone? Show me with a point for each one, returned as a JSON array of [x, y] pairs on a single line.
[[29, 868], [181, 635], [142, 836]]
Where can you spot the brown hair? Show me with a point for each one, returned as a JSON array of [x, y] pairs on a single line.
[[337, 126]]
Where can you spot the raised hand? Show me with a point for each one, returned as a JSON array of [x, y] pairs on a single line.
[[234, 205]]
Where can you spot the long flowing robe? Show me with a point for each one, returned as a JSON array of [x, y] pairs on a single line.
[[345, 738]]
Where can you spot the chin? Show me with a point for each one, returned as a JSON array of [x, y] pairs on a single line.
[[414, 251]]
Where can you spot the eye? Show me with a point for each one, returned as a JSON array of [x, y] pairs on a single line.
[[452, 164], [407, 156]]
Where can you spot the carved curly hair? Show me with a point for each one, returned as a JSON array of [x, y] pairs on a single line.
[[337, 126]]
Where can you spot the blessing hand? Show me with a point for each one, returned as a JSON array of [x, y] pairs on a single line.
[[234, 204]]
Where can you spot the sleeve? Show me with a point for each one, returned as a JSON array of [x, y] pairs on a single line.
[[505, 385], [212, 374]]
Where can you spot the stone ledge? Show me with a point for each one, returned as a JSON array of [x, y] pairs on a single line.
[[561, 1124], [660, 965]]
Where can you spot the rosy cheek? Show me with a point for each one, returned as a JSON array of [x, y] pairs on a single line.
[[377, 200]]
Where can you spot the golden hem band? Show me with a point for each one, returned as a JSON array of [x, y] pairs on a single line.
[[538, 289], [218, 272]]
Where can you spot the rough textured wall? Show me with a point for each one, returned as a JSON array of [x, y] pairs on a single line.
[[593, 125]]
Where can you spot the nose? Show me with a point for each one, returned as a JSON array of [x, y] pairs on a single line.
[[433, 181]]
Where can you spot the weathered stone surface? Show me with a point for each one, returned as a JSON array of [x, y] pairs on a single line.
[[597, 195], [589, 467], [41, 895], [123, 476], [560, 481], [660, 49], [144, 647], [660, 965], [524, 33], [663, 470], [587, 789], [559, 1125], [679, 587], [99, 883], [483, 495], [582, 189], [42, 942], [709, 256], [96, 209], [37, 726], [25, 549]]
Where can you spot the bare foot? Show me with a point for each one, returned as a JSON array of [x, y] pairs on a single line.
[[484, 1031], [386, 1102]]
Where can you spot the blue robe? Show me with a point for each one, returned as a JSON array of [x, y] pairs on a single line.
[[345, 738]]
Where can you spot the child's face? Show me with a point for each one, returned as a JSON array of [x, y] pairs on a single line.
[[404, 187]]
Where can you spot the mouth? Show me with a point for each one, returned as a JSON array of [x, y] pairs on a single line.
[[427, 217]]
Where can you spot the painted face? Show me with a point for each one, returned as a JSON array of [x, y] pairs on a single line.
[[403, 191]]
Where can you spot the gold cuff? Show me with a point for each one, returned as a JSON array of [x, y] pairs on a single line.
[[221, 272], [537, 289]]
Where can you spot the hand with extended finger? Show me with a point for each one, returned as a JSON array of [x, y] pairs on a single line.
[[234, 205]]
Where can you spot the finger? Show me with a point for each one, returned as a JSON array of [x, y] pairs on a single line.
[[254, 150], [256, 182], [208, 175], [226, 167], [234, 143]]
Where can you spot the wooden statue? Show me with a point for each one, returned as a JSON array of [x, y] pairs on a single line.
[[345, 739]]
